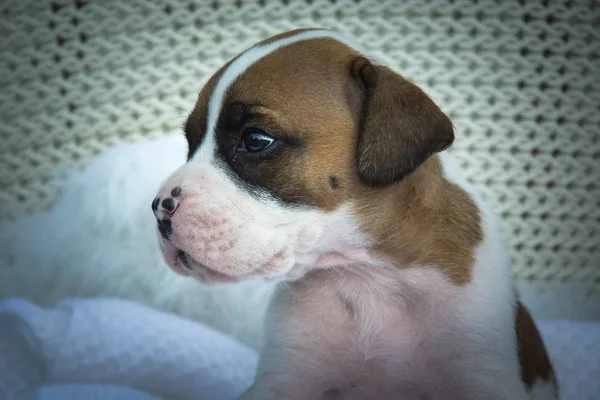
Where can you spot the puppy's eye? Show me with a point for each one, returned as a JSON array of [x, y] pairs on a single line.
[[254, 141]]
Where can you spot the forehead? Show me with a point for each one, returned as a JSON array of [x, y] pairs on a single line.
[[304, 83], [283, 73], [307, 74]]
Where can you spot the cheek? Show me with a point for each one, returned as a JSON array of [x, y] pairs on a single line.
[[223, 227], [329, 175], [330, 189], [200, 221], [281, 175]]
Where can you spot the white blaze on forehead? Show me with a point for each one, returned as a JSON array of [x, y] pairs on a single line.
[[207, 149]]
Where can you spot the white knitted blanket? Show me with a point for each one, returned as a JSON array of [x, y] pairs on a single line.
[[520, 80]]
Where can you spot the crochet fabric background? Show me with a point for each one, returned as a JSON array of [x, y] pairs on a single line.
[[520, 80]]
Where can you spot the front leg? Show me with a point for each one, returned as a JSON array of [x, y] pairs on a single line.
[[291, 382], [296, 362], [264, 391], [488, 372], [250, 394]]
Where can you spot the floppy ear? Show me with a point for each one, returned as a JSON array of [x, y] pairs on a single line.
[[399, 128]]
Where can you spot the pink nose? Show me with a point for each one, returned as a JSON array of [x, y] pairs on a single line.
[[166, 207]]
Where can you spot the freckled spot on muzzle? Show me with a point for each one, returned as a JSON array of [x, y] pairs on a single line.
[[176, 191]]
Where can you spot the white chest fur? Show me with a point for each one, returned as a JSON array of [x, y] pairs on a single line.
[[408, 333], [376, 340]]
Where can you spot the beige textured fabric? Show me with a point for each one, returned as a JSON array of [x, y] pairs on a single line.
[[520, 81]]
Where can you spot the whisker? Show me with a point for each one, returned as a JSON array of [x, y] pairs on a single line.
[[291, 292], [178, 108]]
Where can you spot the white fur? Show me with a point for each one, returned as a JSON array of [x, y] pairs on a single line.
[[542, 390]]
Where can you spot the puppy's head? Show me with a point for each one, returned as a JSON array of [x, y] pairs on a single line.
[[284, 141]]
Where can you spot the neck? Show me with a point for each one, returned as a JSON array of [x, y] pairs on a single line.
[[425, 220], [371, 295]]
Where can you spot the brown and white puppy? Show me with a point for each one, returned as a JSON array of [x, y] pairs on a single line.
[[310, 163]]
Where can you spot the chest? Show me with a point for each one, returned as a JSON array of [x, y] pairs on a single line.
[[371, 340], [400, 356]]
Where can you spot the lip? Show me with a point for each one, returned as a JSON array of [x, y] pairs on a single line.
[[184, 264], [183, 259]]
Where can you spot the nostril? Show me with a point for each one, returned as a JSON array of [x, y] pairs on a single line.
[[168, 204], [176, 191], [155, 204]]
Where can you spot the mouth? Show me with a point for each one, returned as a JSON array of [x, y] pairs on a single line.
[[184, 264], [216, 271]]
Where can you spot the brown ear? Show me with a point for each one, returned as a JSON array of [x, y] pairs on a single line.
[[400, 126]]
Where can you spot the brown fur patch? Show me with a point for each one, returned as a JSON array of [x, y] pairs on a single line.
[[424, 220], [195, 125], [303, 91], [533, 357]]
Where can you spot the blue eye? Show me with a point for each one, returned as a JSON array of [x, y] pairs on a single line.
[[255, 141]]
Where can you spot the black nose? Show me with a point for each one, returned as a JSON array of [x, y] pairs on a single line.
[[168, 204]]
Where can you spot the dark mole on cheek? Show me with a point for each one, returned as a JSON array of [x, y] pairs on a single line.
[[333, 182]]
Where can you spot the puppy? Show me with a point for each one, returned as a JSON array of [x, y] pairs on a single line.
[[311, 164]]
